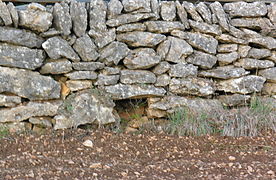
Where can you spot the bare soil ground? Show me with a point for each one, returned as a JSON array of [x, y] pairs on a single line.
[[62, 155]]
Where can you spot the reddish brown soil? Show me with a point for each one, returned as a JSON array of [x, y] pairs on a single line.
[[61, 155]]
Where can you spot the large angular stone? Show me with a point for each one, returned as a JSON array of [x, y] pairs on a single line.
[[243, 9], [161, 68], [183, 70], [202, 42], [79, 16], [92, 107], [141, 6], [252, 23], [88, 66], [226, 38], [114, 8], [192, 86], [258, 53], [35, 17], [203, 60], [249, 63], [86, 48], [141, 39], [220, 15], [21, 57], [127, 91], [224, 72], [227, 48], [155, 8], [57, 48], [269, 74], [102, 39], [82, 75], [77, 85], [20, 37], [131, 27], [182, 14], [267, 42], [59, 66], [235, 100], [168, 10], [31, 109], [5, 14], [62, 19], [163, 26], [137, 77], [128, 18], [205, 28], [97, 15], [272, 13], [9, 100], [243, 85], [142, 58], [162, 80], [227, 58], [13, 13], [106, 80], [114, 53], [163, 48], [205, 12], [28, 84], [243, 50], [191, 9]]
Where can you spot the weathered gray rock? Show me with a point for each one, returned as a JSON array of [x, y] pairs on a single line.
[[114, 53], [249, 63], [137, 77], [131, 27], [141, 58], [248, 33], [155, 8], [191, 10], [224, 72], [86, 48], [79, 17], [111, 70], [161, 68], [258, 53], [273, 56], [92, 107], [227, 58], [168, 10], [21, 57], [97, 15], [227, 48], [71, 39], [28, 84], [50, 33], [243, 9], [269, 74], [192, 86], [62, 19], [205, 12], [35, 17], [44, 122], [220, 15], [79, 75], [236, 32], [202, 42], [225, 38], [106, 80], [203, 60], [20, 37], [269, 89], [5, 14], [13, 13], [88, 66], [57, 48], [103, 38], [182, 14], [129, 18], [1, 22], [183, 70], [9, 101], [243, 85], [31, 109], [59, 66], [243, 50], [127, 91], [141, 6], [163, 48], [205, 28], [252, 23], [267, 42], [164, 26], [77, 85], [114, 8], [141, 39], [162, 80], [234, 100], [272, 13]]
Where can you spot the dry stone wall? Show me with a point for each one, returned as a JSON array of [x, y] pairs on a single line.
[[63, 65]]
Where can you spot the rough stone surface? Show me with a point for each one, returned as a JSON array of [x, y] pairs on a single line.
[[141, 6], [86, 48], [79, 17], [114, 53], [227, 48], [192, 86], [267, 42], [249, 63], [161, 68], [21, 57], [258, 53], [272, 57], [44, 122], [203, 60], [131, 27], [235, 100], [59, 66], [103, 38], [183, 70], [162, 80], [227, 58], [205, 12], [272, 13], [182, 14], [205, 28], [142, 58], [57, 48], [137, 77], [220, 15], [269, 74], [5, 14], [141, 39], [191, 10], [243, 50], [62, 19], [13, 13], [88, 66], [79, 75], [269, 89], [31, 109], [28, 84], [35, 18], [9, 100], [243, 85], [91, 106], [114, 8], [50, 33], [224, 72], [127, 91], [97, 15], [225, 38], [106, 80], [111, 71], [164, 26], [77, 85], [252, 23], [168, 10]]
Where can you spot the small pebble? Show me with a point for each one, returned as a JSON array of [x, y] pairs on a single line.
[[88, 143], [231, 158]]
